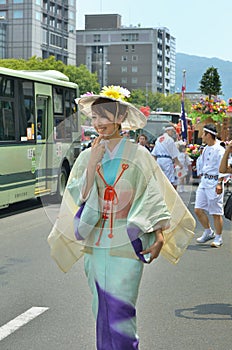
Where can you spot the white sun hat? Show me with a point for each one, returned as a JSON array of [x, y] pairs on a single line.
[[135, 119]]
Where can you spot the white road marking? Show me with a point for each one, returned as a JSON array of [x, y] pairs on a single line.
[[20, 321]]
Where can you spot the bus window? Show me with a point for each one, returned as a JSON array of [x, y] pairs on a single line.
[[6, 87], [7, 121], [65, 116], [41, 105], [58, 100], [7, 117], [26, 111]]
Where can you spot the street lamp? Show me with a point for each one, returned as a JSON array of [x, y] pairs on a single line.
[[147, 84], [102, 63]]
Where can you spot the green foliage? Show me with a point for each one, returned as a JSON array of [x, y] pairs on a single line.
[[210, 83], [87, 82], [170, 103], [79, 75]]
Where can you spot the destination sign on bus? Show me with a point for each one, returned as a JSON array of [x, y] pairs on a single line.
[[160, 117]]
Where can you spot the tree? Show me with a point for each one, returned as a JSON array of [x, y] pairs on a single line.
[[86, 81], [210, 83], [80, 75], [170, 103]]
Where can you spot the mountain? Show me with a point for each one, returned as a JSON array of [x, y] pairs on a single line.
[[196, 66]]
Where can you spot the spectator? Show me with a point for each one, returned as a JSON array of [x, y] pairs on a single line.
[[185, 160], [143, 141], [209, 195], [166, 153]]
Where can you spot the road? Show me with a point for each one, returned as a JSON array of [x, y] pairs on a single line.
[[181, 307]]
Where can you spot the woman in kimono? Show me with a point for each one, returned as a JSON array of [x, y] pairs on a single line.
[[122, 214]]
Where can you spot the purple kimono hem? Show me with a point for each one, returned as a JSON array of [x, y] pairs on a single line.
[[108, 337]]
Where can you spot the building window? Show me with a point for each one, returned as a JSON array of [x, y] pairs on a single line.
[[134, 58], [130, 37], [44, 36], [17, 14], [134, 69], [17, 1], [134, 80], [124, 80], [124, 58], [2, 2], [71, 28], [59, 25], [133, 48], [96, 38], [123, 69], [38, 2], [58, 41], [71, 15], [38, 16], [126, 48], [52, 21], [3, 14]]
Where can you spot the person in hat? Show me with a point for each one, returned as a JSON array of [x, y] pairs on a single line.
[[117, 212], [166, 154], [209, 194]]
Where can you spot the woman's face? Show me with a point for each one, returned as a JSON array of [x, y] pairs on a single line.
[[104, 123]]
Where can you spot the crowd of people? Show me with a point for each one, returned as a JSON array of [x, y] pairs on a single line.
[[213, 165], [120, 200]]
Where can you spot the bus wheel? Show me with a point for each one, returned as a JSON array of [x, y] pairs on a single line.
[[62, 180]]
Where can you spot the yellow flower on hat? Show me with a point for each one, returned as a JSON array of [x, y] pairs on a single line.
[[115, 92]]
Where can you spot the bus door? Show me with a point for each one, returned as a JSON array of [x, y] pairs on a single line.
[[42, 140]]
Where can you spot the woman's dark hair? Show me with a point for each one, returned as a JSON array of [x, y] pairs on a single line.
[[114, 107]]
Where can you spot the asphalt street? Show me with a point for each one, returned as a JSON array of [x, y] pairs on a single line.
[[187, 306]]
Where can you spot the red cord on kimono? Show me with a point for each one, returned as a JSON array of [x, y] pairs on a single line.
[[110, 199]]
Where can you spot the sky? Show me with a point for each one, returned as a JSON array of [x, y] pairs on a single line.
[[201, 27]]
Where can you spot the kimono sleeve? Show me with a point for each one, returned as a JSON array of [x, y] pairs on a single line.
[[64, 247], [159, 203]]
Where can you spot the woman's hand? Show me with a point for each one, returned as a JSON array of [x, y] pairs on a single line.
[[97, 151], [155, 248]]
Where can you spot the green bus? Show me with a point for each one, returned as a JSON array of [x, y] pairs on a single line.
[[39, 133]]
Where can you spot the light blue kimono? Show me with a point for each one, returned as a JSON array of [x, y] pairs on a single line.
[[114, 277], [144, 200]]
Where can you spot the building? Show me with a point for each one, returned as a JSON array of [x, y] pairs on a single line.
[[38, 28], [134, 57]]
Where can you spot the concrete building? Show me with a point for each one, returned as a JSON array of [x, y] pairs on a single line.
[[38, 27], [133, 57]]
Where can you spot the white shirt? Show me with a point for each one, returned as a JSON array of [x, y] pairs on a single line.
[[210, 162], [165, 145]]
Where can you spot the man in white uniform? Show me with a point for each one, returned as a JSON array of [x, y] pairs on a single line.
[[209, 195], [166, 153]]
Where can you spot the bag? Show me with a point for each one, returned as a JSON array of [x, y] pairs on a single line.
[[228, 208]]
